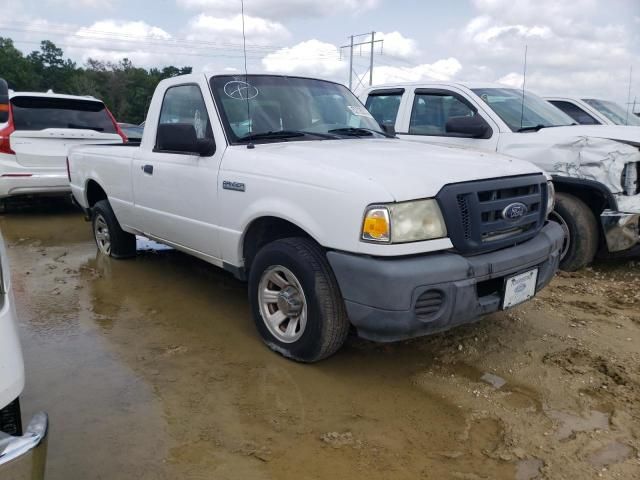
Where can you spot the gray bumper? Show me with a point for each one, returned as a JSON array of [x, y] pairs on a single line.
[[394, 299], [24, 458], [621, 230]]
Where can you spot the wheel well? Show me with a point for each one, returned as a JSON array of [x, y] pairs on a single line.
[[597, 199], [265, 230], [95, 193]]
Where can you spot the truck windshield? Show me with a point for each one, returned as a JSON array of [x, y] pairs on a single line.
[[614, 112], [536, 113], [268, 108]]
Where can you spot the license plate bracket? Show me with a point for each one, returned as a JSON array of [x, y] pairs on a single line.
[[519, 288]]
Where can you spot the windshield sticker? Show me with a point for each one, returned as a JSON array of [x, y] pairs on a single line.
[[239, 90], [359, 110], [198, 124]]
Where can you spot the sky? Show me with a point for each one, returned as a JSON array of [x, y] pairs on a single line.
[[577, 47]]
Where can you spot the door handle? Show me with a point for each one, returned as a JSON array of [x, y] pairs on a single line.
[[148, 169]]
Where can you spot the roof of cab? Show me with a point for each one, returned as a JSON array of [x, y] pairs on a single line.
[[13, 94], [434, 83]]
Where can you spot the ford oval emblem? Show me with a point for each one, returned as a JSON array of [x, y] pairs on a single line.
[[514, 211], [520, 288]]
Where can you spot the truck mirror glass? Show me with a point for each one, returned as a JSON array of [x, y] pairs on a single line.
[[206, 147], [470, 127], [4, 101]]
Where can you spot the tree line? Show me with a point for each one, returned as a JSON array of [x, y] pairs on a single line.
[[125, 88]]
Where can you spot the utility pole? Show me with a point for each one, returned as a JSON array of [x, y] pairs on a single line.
[[351, 63], [372, 43], [629, 96]]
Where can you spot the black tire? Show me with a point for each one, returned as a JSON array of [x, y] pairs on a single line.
[[122, 244], [577, 219], [327, 324]]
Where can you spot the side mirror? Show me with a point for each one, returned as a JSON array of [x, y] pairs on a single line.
[[470, 127], [206, 147], [388, 128], [182, 138], [4, 101]]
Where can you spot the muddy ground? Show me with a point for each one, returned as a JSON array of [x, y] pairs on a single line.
[[151, 369]]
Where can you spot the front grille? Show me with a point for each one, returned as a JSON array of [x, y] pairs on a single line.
[[428, 304], [475, 212], [10, 421]]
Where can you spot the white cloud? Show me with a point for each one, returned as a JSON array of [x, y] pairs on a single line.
[[259, 31], [112, 40], [571, 47], [441, 70], [102, 4], [279, 9], [312, 57], [397, 45], [513, 80]]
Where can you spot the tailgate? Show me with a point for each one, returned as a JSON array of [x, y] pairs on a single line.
[[49, 147]]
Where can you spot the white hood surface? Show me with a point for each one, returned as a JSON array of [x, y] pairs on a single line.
[[406, 170]]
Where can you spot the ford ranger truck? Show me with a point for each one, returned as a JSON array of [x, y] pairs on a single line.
[[595, 169], [23, 452], [37, 129], [289, 183]]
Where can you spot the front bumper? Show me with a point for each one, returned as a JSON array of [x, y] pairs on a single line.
[[621, 230], [385, 298], [24, 458]]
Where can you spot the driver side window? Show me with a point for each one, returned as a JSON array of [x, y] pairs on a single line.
[[184, 105], [432, 111]]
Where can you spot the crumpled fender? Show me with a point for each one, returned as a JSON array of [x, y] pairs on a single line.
[[583, 157]]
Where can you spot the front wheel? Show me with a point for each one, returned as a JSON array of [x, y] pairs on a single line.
[[296, 302], [109, 236], [581, 232]]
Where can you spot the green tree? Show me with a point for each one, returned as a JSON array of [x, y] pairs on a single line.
[[125, 88]]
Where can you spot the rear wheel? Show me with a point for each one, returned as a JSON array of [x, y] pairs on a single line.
[[581, 231], [109, 236], [296, 302]]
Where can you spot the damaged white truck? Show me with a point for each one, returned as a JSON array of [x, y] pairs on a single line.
[[595, 169], [289, 183]]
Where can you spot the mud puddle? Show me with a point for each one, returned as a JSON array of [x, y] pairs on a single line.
[[151, 368]]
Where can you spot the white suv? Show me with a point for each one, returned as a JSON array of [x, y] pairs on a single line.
[[36, 131]]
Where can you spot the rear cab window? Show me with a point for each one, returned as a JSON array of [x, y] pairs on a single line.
[[385, 104], [40, 113]]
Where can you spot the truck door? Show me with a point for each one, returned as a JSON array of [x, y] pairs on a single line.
[[425, 114], [175, 193]]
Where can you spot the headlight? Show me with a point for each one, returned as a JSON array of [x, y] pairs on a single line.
[[551, 197], [403, 222]]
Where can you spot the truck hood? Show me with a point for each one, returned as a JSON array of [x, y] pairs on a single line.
[[406, 170], [598, 152]]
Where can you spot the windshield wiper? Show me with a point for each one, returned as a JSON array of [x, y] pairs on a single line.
[[84, 127], [282, 134], [533, 128], [359, 132]]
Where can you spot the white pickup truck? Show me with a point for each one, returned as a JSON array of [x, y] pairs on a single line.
[[22, 453], [595, 169], [290, 183], [593, 111]]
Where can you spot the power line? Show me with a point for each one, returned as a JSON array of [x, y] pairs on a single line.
[[372, 43]]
